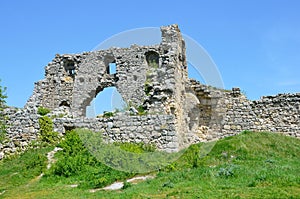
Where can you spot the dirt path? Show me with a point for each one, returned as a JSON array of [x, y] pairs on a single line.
[[50, 156], [119, 185], [51, 160]]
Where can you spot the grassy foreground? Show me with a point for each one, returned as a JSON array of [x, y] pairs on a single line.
[[249, 165]]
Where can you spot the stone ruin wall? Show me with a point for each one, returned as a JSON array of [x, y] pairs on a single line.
[[158, 130], [218, 114], [225, 113], [181, 111], [73, 81]]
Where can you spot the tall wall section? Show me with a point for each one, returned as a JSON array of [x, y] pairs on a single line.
[[149, 76]]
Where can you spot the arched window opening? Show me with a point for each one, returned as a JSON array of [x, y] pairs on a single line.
[[152, 59], [107, 100], [69, 66]]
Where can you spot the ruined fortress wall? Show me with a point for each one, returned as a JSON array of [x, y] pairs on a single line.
[[93, 75], [22, 129], [219, 113], [225, 113], [158, 130], [280, 113], [149, 76], [180, 111], [75, 80], [57, 87], [174, 60]]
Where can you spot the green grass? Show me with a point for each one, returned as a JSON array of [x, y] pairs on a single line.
[[23, 169], [249, 165]]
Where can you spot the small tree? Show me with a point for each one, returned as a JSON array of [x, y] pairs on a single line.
[[47, 135], [2, 116]]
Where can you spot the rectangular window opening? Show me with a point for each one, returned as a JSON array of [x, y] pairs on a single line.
[[112, 68]]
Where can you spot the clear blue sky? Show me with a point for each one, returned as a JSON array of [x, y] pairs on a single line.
[[255, 44]]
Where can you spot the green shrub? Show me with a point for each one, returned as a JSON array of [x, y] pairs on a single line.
[[74, 156], [75, 161], [190, 159], [47, 135], [147, 89], [136, 147], [108, 114], [69, 165], [43, 111], [227, 171], [2, 116], [126, 185], [72, 144], [141, 110], [99, 182], [36, 162], [168, 184], [2, 131], [3, 120]]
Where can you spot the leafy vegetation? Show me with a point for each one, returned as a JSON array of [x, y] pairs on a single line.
[[141, 110], [21, 170], [47, 135], [3, 97], [126, 159], [147, 89], [136, 147], [108, 114], [126, 185], [75, 164], [43, 111], [249, 165]]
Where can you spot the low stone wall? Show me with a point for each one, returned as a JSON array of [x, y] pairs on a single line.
[[153, 129], [22, 128], [280, 113], [225, 113], [159, 130]]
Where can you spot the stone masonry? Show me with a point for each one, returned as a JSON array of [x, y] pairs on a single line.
[[180, 111]]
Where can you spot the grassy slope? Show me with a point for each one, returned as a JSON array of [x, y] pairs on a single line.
[[250, 165]]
